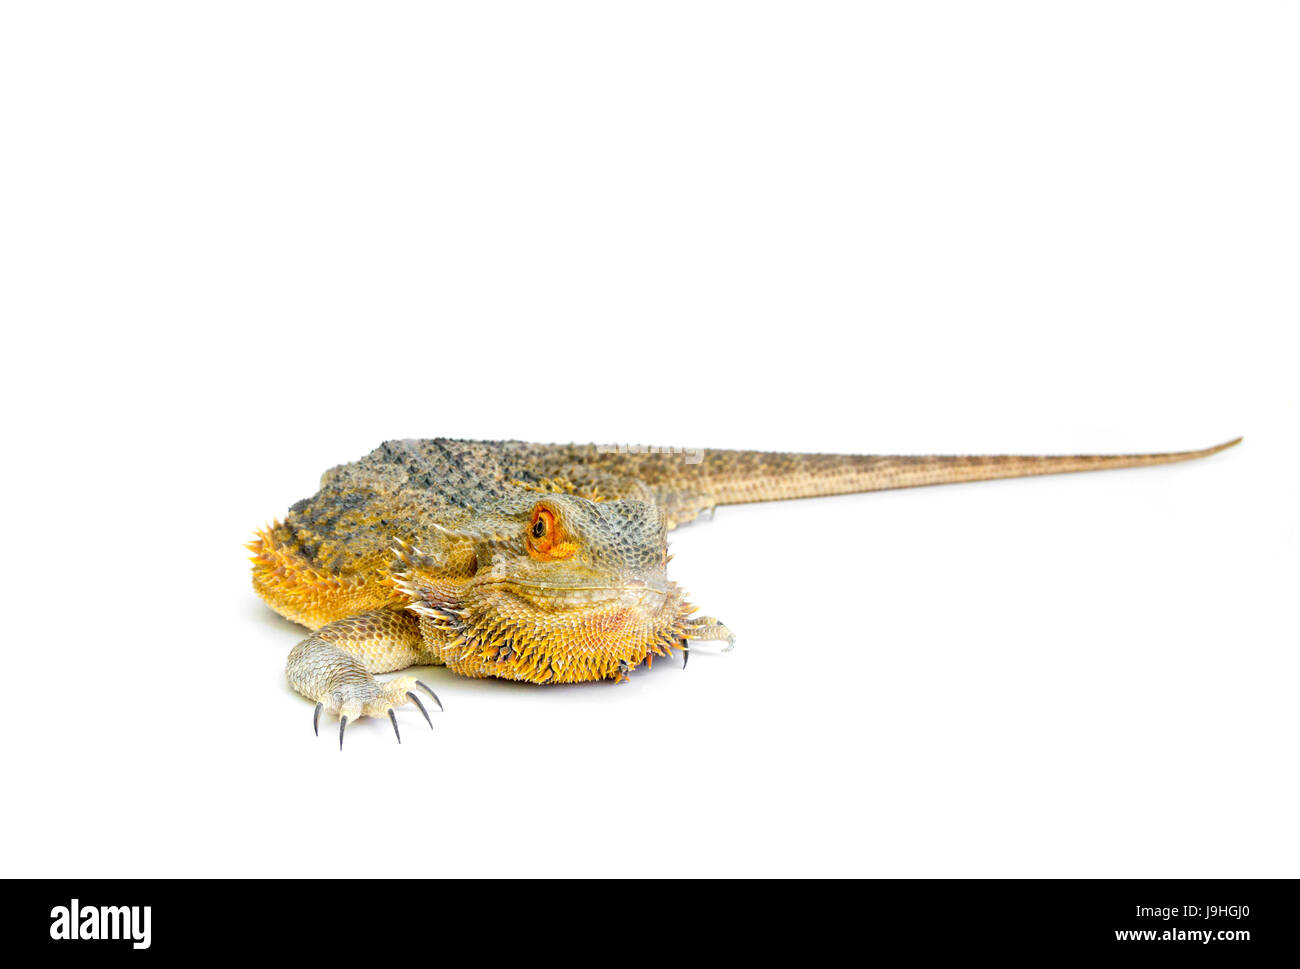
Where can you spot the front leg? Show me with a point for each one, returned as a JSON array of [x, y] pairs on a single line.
[[335, 665]]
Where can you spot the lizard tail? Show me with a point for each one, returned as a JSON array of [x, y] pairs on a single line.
[[736, 477]]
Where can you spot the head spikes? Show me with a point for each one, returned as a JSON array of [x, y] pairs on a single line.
[[408, 555]]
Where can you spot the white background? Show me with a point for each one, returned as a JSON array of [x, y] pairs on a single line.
[[243, 242]]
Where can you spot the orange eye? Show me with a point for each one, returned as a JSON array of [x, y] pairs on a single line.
[[543, 529], [544, 538]]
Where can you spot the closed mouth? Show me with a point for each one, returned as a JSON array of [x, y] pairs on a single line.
[[560, 588], [635, 594]]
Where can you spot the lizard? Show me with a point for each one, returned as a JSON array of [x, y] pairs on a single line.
[[543, 563]]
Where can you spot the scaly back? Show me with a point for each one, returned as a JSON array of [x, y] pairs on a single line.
[[408, 489]]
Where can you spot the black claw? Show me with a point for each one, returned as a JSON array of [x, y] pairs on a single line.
[[686, 653], [343, 725], [393, 717], [416, 700], [425, 687], [315, 718]]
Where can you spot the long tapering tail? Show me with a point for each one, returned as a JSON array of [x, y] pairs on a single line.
[[684, 481], [735, 477]]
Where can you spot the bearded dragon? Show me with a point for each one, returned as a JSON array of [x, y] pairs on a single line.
[[537, 562]]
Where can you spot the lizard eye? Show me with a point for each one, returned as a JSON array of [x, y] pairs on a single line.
[[542, 531], [546, 537]]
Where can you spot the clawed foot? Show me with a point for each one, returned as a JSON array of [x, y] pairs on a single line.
[[373, 699], [705, 628], [708, 628], [340, 683]]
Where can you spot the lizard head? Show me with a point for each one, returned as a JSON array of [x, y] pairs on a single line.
[[553, 588]]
